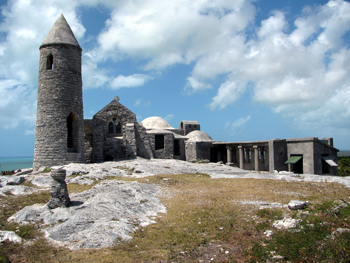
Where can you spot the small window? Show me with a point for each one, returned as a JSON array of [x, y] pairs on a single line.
[[49, 62], [159, 142]]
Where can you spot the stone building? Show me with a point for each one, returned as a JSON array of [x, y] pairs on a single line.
[[300, 155], [114, 134], [62, 136]]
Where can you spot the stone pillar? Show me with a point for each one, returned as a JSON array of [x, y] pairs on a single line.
[[229, 155], [256, 157], [59, 191], [241, 160]]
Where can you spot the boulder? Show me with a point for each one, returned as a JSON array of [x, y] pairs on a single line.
[[286, 223], [297, 205], [11, 180]]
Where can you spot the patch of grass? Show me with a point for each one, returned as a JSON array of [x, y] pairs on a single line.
[[12, 204], [46, 170], [272, 214], [40, 250], [313, 242], [74, 188]]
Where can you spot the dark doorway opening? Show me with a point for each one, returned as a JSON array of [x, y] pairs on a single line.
[[159, 141], [298, 166], [176, 147]]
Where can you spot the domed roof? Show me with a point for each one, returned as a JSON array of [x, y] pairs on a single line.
[[155, 123], [199, 136]]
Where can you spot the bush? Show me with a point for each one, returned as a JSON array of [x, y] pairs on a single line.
[[344, 167]]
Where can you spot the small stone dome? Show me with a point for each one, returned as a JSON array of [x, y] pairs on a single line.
[[155, 123], [199, 136]]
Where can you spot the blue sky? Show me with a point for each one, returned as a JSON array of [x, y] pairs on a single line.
[[244, 69]]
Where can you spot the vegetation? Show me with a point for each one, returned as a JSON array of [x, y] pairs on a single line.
[[47, 170], [207, 219], [9, 172], [315, 240], [344, 166]]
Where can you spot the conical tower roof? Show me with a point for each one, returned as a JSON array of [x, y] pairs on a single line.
[[61, 33]]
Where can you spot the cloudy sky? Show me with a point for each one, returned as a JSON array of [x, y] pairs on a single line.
[[245, 69]]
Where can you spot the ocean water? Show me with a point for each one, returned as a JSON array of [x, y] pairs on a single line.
[[15, 163]]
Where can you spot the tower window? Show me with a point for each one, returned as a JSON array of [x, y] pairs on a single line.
[[49, 62]]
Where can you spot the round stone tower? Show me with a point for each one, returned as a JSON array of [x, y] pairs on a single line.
[[59, 135]]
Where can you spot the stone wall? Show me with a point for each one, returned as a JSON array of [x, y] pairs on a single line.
[[168, 151], [306, 149], [143, 144], [322, 149], [278, 155], [197, 150]]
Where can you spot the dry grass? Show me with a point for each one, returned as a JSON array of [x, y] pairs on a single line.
[[205, 220]]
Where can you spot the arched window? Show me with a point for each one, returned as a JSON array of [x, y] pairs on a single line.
[[110, 127], [114, 127], [49, 62], [118, 127]]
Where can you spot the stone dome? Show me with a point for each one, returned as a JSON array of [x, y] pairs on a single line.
[[199, 136], [155, 123]]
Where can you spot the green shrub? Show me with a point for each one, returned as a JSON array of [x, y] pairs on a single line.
[[344, 167]]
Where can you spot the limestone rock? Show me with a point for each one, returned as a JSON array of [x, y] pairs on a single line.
[[98, 217], [340, 231], [297, 205], [15, 190], [9, 236], [42, 181], [286, 223], [11, 180]]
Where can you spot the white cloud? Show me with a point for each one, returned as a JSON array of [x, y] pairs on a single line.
[[169, 117], [131, 81], [17, 104], [141, 102], [238, 125]]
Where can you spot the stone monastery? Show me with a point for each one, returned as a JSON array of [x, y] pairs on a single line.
[[63, 136]]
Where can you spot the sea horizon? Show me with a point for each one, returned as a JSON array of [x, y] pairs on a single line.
[[15, 163]]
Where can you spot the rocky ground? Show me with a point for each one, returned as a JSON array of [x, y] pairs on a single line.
[[114, 209]]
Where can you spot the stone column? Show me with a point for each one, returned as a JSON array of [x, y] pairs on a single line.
[[229, 155], [241, 160], [59, 191], [256, 157]]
